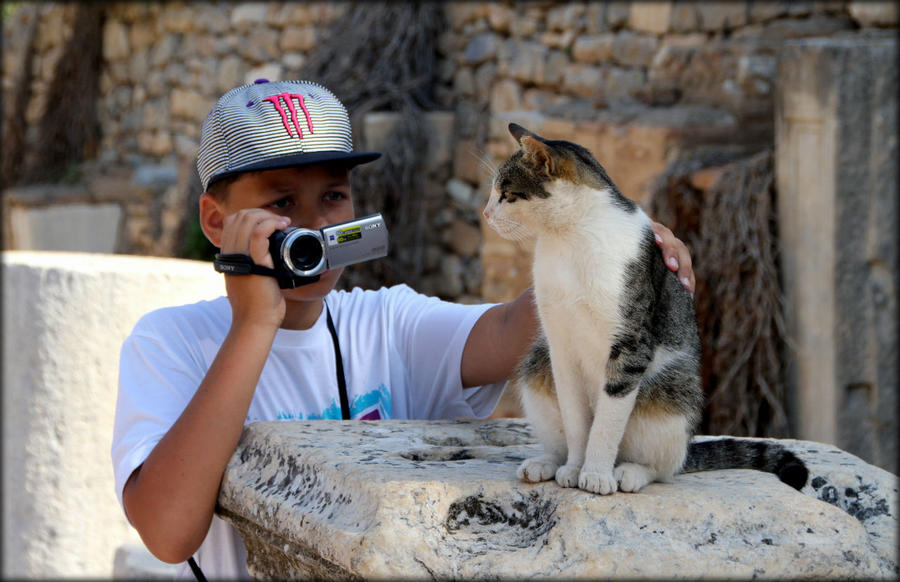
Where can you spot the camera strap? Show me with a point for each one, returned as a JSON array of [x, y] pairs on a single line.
[[238, 264], [339, 364]]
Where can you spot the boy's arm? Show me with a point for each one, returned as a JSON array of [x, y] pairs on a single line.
[[503, 335], [171, 497]]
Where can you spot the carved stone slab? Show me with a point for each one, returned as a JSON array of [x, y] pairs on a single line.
[[420, 499]]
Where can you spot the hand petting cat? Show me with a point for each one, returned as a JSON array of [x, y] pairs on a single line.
[[675, 254]]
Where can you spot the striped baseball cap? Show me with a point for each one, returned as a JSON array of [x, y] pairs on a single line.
[[268, 125]]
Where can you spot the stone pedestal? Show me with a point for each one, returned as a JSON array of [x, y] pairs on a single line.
[[417, 499], [65, 316], [836, 171]]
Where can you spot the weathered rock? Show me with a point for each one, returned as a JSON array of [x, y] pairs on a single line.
[[441, 500], [481, 48]]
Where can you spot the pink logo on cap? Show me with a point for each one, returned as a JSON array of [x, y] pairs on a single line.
[[288, 99]]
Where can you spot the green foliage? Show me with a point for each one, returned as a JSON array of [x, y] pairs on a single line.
[[196, 245], [9, 9]]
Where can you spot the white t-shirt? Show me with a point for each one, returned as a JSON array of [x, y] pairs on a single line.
[[401, 352]]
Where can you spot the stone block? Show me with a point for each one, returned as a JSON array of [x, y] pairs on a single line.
[[115, 41], [506, 95], [229, 73], [788, 28], [141, 36], [297, 39], [568, 16], [684, 17], [484, 79], [269, 71], [66, 227], [874, 13], [836, 170], [470, 162], [190, 105], [248, 15], [70, 313], [523, 60], [260, 45], [719, 16], [463, 238], [499, 16], [634, 50], [481, 48], [460, 191], [441, 500], [595, 48], [583, 80], [652, 17]]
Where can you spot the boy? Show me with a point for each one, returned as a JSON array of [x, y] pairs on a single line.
[[274, 155]]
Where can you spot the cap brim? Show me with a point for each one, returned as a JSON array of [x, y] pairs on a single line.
[[348, 159]]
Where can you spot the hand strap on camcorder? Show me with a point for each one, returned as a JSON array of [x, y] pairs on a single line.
[[342, 394], [239, 264]]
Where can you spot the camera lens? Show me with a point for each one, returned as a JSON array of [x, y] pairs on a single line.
[[305, 252]]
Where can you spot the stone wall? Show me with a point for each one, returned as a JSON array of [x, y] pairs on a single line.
[[640, 69]]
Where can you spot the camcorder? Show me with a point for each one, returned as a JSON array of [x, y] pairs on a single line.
[[301, 255]]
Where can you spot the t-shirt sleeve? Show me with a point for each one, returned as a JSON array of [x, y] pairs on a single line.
[[158, 374], [432, 333]]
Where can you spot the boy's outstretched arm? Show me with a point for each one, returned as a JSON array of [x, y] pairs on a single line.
[[502, 336]]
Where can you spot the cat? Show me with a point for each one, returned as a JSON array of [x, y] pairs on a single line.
[[612, 384]]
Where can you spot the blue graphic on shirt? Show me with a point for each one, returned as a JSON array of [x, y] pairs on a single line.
[[373, 405]]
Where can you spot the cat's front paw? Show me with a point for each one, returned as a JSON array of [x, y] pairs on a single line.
[[602, 482], [567, 475], [537, 469]]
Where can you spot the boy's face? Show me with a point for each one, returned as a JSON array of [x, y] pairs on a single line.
[[311, 196]]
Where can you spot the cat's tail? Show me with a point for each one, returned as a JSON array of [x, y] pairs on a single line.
[[729, 453]]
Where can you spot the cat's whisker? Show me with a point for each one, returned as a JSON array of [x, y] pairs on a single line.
[[484, 159]]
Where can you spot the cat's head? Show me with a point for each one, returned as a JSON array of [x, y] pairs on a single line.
[[545, 186]]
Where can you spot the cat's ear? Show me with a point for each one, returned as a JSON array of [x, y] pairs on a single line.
[[537, 154], [518, 132]]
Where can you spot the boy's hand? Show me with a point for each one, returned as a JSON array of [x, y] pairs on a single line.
[[676, 255], [253, 298]]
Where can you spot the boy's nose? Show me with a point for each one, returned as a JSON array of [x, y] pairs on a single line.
[[312, 220]]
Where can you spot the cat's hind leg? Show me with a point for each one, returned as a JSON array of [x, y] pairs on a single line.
[[542, 411], [538, 395], [653, 448]]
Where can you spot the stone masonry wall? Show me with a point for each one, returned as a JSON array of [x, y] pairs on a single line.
[[165, 64]]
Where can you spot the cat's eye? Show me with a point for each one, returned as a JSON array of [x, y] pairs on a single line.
[[512, 196]]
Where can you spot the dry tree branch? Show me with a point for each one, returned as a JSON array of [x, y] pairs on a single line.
[[730, 229]]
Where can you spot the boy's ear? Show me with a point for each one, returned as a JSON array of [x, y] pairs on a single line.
[[212, 218]]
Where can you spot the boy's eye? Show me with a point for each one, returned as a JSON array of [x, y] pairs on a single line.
[[281, 203], [334, 196]]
